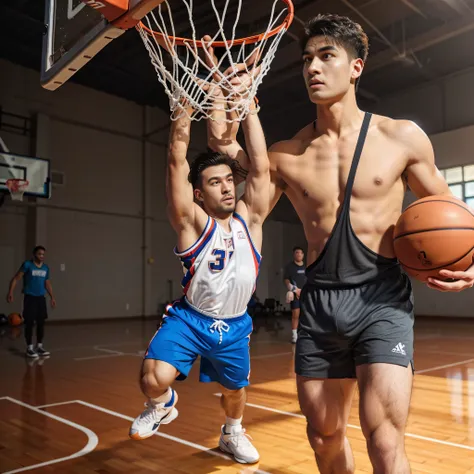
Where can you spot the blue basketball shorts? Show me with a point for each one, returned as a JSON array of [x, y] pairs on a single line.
[[224, 345]]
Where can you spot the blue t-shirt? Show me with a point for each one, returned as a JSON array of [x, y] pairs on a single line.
[[34, 278]]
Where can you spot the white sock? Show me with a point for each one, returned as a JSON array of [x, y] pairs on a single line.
[[40, 345], [295, 332], [233, 425], [30, 347], [165, 398]]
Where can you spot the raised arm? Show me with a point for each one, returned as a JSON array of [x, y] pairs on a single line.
[[222, 137], [179, 191], [256, 198]]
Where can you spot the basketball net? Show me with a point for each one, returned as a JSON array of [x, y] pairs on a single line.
[[17, 188], [192, 79]]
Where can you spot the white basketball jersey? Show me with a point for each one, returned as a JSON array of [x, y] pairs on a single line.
[[221, 270]]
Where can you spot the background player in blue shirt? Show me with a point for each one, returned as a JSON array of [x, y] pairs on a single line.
[[35, 275]]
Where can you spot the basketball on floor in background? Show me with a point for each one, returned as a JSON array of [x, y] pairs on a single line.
[[15, 319]]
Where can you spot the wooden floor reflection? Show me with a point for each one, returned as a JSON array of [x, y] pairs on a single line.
[[71, 413]]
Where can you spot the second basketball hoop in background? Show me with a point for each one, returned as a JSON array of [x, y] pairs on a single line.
[[17, 188]]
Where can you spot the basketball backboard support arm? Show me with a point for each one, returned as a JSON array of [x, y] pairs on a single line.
[[91, 25], [3, 146]]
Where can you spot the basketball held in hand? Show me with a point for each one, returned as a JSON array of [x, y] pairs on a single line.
[[435, 233]]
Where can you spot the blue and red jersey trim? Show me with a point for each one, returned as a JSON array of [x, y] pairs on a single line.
[[189, 255]]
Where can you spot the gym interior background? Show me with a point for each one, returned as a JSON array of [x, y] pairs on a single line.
[[110, 247]]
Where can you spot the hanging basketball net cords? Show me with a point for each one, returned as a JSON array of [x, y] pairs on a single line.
[[190, 82]]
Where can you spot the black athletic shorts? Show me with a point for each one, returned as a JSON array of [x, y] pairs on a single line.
[[295, 304], [340, 329], [34, 308]]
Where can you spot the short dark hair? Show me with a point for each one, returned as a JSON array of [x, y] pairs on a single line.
[[297, 248], [206, 160], [342, 30], [38, 248]]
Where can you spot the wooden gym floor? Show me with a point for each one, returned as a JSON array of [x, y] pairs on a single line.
[[71, 413]]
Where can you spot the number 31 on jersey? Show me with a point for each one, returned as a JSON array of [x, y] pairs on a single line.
[[221, 258]]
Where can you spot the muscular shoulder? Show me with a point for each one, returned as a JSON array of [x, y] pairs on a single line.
[[400, 130], [282, 149], [407, 135]]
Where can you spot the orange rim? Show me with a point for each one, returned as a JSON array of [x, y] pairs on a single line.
[[221, 44]]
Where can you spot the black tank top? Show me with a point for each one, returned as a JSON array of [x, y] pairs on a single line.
[[345, 261]]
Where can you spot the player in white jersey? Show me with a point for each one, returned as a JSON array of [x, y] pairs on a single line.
[[218, 243], [224, 270]]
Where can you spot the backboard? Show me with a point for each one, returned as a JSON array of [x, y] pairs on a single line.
[[35, 170], [75, 33]]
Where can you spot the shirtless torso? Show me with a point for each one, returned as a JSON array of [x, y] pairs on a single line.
[[312, 170]]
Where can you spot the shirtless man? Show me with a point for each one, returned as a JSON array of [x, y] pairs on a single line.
[[346, 176]]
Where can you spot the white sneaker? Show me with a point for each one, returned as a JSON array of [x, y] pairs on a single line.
[[238, 444], [294, 338], [155, 415]]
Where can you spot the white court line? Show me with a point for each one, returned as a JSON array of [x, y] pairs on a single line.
[[128, 418], [73, 348], [267, 356], [108, 351], [92, 439], [408, 435], [104, 356], [439, 367], [164, 435], [55, 404]]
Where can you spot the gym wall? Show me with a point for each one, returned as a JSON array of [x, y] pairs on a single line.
[[107, 226], [110, 247]]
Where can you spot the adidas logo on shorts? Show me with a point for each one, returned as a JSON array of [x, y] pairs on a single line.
[[399, 349]]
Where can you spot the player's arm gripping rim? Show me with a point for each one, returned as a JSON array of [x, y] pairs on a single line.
[[222, 135], [254, 205], [424, 179], [222, 138]]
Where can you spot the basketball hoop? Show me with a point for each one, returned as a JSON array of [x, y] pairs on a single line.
[[183, 67], [17, 187]]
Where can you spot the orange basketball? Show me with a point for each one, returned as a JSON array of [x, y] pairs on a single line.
[[435, 233], [15, 319]]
